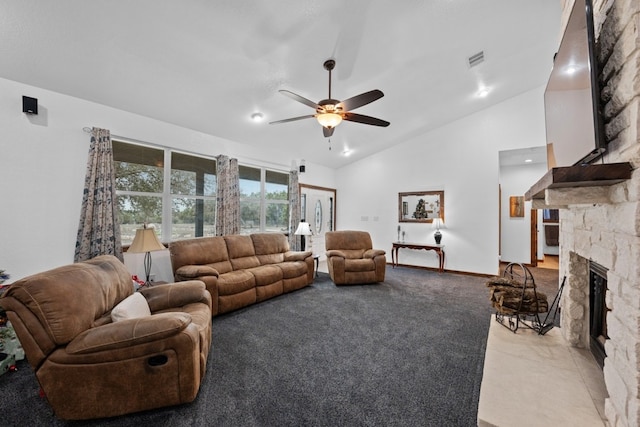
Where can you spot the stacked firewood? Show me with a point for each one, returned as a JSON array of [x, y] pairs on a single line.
[[511, 297]]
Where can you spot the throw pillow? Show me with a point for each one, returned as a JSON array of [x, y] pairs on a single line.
[[133, 306]]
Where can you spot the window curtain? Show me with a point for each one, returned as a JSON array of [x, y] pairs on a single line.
[[227, 197], [99, 229], [294, 210]]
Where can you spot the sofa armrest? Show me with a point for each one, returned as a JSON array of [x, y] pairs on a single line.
[[128, 333], [162, 297], [336, 252], [297, 255], [372, 253], [195, 271]]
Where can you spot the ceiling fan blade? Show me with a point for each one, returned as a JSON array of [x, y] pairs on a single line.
[[299, 98], [293, 119], [367, 120], [360, 100], [327, 132]]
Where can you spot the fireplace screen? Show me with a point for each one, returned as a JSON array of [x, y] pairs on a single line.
[[597, 310]]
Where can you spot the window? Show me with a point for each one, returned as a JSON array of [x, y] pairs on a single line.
[[176, 192], [139, 186], [264, 200], [276, 201], [145, 189], [250, 190], [550, 215], [193, 196]]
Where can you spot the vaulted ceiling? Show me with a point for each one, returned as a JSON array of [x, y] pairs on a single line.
[[209, 65]]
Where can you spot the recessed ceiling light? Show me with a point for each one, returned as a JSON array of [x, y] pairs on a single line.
[[257, 117], [528, 161], [483, 92], [346, 152]]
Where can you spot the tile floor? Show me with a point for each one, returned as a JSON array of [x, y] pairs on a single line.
[[538, 380]]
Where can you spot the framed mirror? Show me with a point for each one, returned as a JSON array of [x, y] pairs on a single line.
[[420, 206]]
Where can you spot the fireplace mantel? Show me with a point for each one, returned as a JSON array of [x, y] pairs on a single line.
[[562, 186]]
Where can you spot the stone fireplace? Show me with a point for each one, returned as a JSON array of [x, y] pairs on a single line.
[[601, 224]]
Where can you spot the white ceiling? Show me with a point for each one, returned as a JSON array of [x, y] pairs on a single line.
[[208, 65]]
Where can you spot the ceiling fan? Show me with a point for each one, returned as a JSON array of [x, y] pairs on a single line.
[[330, 112]]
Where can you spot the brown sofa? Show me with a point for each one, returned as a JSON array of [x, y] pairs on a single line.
[[351, 258], [90, 366], [241, 270]]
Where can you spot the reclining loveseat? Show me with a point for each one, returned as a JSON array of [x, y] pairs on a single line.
[[99, 349]]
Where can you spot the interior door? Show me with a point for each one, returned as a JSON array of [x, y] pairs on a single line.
[[318, 208]]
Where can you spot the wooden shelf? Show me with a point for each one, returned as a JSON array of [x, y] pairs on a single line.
[[580, 176]]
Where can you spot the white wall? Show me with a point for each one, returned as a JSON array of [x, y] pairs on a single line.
[[42, 168], [43, 160], [460, 158], [516, 232]]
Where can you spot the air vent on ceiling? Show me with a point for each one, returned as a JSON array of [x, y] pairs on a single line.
[[476, 59]]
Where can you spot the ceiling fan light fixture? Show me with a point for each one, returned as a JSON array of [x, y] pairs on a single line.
[[329, 120]]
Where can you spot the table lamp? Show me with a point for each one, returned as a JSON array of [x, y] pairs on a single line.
[[303, 230], [437, 224], [146, 241]]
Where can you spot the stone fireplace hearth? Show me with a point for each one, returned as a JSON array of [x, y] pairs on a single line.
[[601, 224]]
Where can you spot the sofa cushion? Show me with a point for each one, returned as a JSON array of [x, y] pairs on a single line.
[[270, 247], [211, 251], [348, 253], [356, 265], [68, 300], [195, 271], [348, 240], [266, 274], [132, 307], [293, 269], [235, 282], [241, 252]]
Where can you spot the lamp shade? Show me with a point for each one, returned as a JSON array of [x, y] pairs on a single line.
[[329, 120], [145, 240], [303, 229], [437, 224]]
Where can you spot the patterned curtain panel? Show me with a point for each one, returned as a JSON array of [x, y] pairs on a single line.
[[227, 197], [294, 211], [99, 230]]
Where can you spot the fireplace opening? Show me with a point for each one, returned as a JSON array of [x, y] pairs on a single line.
[[597, 311]]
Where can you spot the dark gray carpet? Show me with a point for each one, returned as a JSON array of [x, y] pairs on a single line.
[[407, 352]]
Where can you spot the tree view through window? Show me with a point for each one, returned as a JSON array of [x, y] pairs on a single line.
[[264, 200], [176, 192]]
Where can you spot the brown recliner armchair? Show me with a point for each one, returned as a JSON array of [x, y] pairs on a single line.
[[351, 258], [90, 366]]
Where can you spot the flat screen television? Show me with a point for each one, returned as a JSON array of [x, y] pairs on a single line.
[[572, 98]]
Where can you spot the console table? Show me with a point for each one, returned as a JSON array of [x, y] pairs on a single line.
[[439, 249]]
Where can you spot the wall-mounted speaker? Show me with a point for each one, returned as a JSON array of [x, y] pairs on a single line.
[[29, 105]]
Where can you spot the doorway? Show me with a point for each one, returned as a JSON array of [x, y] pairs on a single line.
[[318, 208], [549, 233], [520, 225]]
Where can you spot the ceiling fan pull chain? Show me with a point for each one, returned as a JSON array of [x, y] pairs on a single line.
[[329, 143]]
